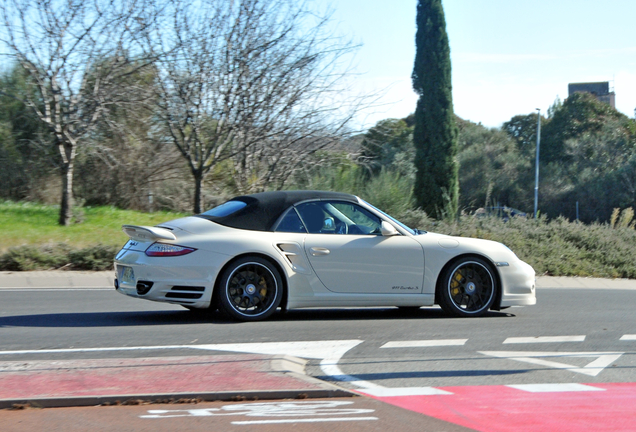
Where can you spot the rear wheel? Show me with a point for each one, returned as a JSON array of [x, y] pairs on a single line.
[[468, 288], [251, 289]]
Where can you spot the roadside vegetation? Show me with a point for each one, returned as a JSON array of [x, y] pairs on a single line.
[[34, 241], [141, 139], [557, 247]]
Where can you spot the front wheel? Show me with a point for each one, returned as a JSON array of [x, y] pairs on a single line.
[[468, 288], [251, 289]]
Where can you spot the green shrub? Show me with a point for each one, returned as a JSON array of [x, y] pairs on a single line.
[[58, 256], [557, 247], [99, 257], [24, 258]]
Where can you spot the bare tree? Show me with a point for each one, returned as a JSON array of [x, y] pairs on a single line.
[[251, 82], [76, 53]]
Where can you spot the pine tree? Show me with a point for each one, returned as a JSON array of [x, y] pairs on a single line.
[[435, 134]]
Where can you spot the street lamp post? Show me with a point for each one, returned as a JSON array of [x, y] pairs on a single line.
[[536, 176]]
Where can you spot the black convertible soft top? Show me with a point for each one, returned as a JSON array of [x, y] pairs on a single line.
[[264, 209]]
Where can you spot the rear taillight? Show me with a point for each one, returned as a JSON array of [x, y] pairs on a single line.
[[163, 250]]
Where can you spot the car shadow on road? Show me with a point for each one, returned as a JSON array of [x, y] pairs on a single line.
[[348, 314], [108, 319], [177, 317]]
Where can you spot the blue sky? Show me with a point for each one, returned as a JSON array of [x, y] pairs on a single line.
[[509, 56]]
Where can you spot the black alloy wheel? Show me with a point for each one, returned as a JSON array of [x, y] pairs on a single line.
[[251, 289], [468, 288]]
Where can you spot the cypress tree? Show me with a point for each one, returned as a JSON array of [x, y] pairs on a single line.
[[435, 134]]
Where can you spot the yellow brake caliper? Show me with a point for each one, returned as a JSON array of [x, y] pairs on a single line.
[[263, 285], [456, 283]]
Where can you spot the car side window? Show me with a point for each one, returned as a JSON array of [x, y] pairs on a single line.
[[334, 217], [359, 220], [291, 223], [314, 217]]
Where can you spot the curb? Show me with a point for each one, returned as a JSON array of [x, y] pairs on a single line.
[[57, 279], [566, 282], [287, 365]]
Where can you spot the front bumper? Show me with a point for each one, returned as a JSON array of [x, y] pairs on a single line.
[[519, 285]]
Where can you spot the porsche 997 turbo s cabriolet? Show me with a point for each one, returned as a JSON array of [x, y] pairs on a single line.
[[312, 249]]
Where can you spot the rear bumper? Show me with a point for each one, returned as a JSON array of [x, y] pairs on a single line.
[[176, 280]]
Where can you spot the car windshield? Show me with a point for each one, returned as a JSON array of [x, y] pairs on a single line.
[[410, 230]]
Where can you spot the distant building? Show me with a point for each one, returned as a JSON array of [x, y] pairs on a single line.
[[601, 90]]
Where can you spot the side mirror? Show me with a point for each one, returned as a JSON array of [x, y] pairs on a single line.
[[328, 224], [388, 230]]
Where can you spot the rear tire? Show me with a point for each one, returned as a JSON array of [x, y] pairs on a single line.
[[250, 289], [468, 288]]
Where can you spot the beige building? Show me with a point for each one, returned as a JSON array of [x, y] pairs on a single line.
[[601, 90]]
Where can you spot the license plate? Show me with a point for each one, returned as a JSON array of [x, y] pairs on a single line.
[[128, 275]]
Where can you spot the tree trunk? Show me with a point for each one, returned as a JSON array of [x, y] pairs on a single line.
[[198, 179], [66, 206]]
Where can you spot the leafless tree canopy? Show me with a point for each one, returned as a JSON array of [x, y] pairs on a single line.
[[251, 82], [249, 85], [77, 54]]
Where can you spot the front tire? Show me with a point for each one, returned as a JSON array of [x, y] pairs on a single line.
[[250, 289], [468, 288]]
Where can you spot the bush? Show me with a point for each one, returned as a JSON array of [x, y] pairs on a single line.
[[555, 248], [58, 256]]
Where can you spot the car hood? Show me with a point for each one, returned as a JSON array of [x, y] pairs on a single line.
[[489, 248]]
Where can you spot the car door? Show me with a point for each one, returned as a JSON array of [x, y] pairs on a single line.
[[348, 253]]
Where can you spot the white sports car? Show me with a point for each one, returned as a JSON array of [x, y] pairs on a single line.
[[299, 249]]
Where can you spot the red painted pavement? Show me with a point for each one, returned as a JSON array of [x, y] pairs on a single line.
[[501, 408], [134, 376]]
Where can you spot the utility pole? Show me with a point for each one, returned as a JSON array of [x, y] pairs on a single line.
[[536, 176]]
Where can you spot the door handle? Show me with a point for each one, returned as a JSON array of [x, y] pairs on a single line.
[[319, 251]]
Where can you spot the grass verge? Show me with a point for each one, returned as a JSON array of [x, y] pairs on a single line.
[[33, 240]]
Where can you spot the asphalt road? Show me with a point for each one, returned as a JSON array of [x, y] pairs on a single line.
[[388, 348]]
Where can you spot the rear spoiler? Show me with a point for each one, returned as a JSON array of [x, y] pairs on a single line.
[[146, 233]]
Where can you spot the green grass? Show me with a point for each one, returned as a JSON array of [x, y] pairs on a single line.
[[33, 224]]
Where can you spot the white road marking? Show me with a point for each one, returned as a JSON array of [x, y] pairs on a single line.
[[313, 349], [628, 337], [404, 391], [550, 388], [295, 411], [603, 359], [314, 420], [305, 349], [330, 367], [329, 352], [424, 343], [82, 350], [544, 339]]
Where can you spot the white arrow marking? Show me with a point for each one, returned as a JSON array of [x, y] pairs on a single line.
[[309, 350], [628, 337], [603, 359]]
